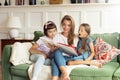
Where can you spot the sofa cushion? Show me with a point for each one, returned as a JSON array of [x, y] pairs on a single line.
[[105, 51], [116, 75], [20, 70], [106, 71], [20, 53]]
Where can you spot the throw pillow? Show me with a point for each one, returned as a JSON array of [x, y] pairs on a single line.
[[20, 53], [105, 51]]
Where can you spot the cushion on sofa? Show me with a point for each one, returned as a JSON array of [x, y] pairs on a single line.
[[111, 38], [20, 70], [105, 51], [20, 53]]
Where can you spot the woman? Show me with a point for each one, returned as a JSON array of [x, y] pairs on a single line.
[[68, 37]]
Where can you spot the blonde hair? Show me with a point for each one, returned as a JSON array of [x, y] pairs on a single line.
[[71, 32]]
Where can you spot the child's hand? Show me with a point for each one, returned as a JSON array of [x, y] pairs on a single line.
[[88, 59], [53, 47]]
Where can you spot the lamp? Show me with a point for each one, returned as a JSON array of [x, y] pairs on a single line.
[[14, 24]]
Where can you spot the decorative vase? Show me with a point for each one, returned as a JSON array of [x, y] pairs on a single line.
[[81, 1], [87, 1], [42, 2], [102, 1], [19, 2], [73, 1]]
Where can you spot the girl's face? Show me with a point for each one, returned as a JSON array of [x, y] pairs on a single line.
[[82, 33], [66, 25], [51, 32]]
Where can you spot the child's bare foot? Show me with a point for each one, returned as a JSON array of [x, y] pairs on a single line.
[[99, 65], [69, 63]]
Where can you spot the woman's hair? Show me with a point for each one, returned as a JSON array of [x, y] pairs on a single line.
[[71, 32], [88, 30], [47, 26]]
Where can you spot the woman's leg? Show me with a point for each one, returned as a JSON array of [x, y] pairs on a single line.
[[61, 63], [55, 70], [39, 61]]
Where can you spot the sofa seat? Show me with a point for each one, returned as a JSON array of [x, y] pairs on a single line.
[[116, 75], [20, 70], [104, 73]]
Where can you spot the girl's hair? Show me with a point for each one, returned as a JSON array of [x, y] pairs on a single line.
[[88, 30], [87, 27], [71, 32], [47, 26]]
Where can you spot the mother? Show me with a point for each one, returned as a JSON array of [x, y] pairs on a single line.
[[67, 36]]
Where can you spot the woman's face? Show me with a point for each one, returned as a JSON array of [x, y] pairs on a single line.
[[66, 26], [82, 33]]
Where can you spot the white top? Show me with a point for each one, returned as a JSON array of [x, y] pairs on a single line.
[[59, 38], [62, 39]]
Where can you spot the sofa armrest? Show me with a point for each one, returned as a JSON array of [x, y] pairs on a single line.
[[37, 35], [6, 74]]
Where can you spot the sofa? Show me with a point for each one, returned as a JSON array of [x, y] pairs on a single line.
[[109, 71]]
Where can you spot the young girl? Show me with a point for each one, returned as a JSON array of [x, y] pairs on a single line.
[[84, 48], [40, 51], [58, 58]]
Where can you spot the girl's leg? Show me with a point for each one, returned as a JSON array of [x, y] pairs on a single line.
[[39, 61], [76, 62], [80, 60]]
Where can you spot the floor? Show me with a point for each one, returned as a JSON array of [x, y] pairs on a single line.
[[0, 72]]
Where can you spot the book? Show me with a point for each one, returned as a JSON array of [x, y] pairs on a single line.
[[70, 50], [67, 49]]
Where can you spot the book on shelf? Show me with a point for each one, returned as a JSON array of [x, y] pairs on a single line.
[[70, 50]]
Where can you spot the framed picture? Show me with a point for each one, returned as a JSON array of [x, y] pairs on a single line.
[[55, 1]]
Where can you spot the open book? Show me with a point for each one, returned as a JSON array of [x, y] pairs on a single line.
[[70, 50]]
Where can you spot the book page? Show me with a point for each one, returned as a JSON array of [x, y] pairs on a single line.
[[70, 50]]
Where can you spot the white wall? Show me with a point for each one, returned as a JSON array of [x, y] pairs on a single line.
[[102, 17]]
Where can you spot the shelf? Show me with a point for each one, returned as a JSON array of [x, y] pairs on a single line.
[[58, 5]]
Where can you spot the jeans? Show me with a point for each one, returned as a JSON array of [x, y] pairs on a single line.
[[39, 61], [57, 60]]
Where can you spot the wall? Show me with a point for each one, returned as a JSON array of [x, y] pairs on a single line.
[[102, 17]]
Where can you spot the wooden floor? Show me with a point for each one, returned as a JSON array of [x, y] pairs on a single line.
[[0, 72]]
